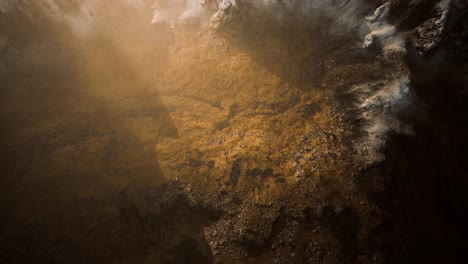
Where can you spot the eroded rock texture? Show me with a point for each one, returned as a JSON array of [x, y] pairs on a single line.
[[233, 131]]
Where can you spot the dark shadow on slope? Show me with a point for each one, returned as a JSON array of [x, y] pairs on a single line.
[[289, 48], [425, 177], [293, 43]]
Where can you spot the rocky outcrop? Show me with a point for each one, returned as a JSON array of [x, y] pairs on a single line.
[[292, 132]]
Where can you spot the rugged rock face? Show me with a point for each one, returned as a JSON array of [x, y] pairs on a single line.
[[286, 132]]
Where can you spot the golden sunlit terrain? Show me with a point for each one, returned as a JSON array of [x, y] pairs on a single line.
[[140, 105], [136, 139]]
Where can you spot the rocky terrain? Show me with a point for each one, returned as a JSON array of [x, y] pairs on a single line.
[[254, 132]]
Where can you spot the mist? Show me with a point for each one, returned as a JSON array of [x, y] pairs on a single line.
[[234, 131]]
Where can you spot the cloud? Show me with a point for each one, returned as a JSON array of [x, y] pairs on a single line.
[[380, 108], [382, 32]]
